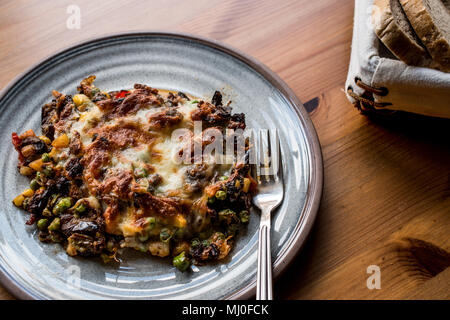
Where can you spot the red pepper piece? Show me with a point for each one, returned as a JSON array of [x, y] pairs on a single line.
[[122, 94]]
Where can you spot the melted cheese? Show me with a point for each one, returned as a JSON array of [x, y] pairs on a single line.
[[167, 166], [164, 159], [161, 156]]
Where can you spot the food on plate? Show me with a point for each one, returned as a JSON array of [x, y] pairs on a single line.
[[107, 173]]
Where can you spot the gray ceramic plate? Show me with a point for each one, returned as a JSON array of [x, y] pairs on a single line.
[[33, 270]]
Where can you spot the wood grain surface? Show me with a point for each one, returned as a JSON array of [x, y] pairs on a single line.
[[386, 196]]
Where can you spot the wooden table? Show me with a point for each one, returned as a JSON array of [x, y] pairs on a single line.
[[386, 199]]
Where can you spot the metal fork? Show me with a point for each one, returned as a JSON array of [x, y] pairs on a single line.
[[269, 175]]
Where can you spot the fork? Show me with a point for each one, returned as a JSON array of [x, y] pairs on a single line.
[[269, 176]]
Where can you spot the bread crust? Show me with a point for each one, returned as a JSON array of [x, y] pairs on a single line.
[[394, 38], [428, 32]]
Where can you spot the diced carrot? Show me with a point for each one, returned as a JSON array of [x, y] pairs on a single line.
[[28, 133], [61, 142], [37, 164]]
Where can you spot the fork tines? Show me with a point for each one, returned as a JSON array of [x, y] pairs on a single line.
[[267, 151]]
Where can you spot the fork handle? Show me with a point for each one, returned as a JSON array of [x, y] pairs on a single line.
[[264, 279]]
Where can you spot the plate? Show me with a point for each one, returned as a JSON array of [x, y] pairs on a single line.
[[34, 270]]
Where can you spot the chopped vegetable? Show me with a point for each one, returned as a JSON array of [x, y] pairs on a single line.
[[18, 200], [46, 157], [179, 221], [62, 205], [28, 192], [34, 185], [55, 225], [16, 140], [48, 171], [143, 237], [221, 195], [26, 171], [42, 224], [121, 94], [181, 262], [243, 216], [36, 164], [246, 185], [28, 150], [45, 139], [165, 235], [150, 222], [79, 99], [81, 208], [61, 142]]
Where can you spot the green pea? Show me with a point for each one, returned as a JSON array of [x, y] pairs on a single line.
[[34, 185], [243, 216], [62, 205], [48, 171], [57, 210], [195, 243], [223, 178], [221, 195], [55, 225], [46, 157], [38, 177], [42, 224], [46, 213], [211, 200], [81, 208], [150, 222], [53, 199], [181, 262], [25, 203], [225, 213], [143, 237], [165, 235]]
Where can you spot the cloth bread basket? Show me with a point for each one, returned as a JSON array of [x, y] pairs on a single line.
[[378, 81]]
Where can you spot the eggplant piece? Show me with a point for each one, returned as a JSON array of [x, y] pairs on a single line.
[[83, 245], [49, 117], [217, 99], [74, 168], [71, 224], [39, 145], [182, 95]]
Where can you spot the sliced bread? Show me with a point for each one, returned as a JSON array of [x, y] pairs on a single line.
[[393, 28], [431, 22]]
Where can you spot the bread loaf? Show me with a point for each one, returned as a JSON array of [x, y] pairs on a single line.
[[393, 28], [430, 20]]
